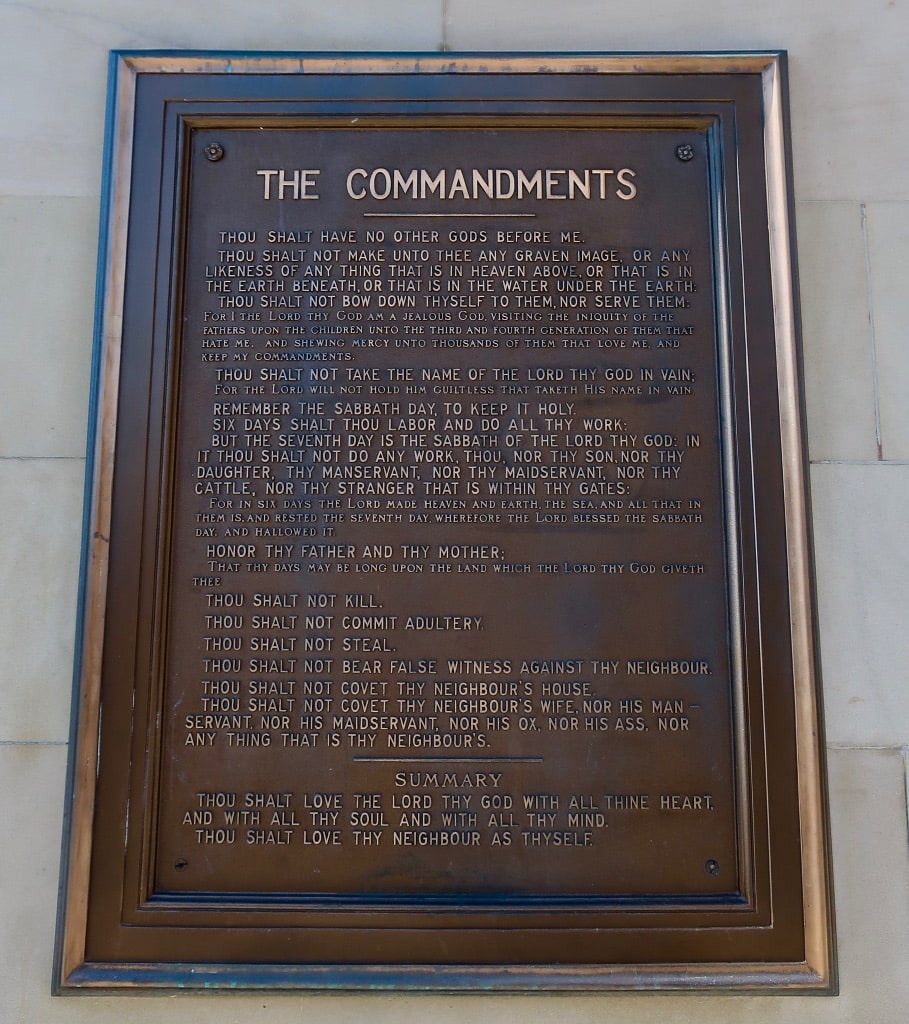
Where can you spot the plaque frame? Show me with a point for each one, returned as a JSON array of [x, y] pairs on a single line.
[[689, 962]]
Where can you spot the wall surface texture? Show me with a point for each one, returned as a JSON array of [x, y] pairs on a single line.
[[849, 81]]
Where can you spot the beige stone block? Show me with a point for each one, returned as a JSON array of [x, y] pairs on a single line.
[[52, 129], [31, 808], [848, 73], [872, 885], [836, 332], [871, 876], [888, 238], [39, 566], [47, 294], [862, 568]]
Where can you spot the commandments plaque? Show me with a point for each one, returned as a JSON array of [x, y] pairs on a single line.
[[447, 616]]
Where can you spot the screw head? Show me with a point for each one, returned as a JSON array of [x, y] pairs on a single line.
[[685, 152], [214, 151], [181, 864], [712, 867]]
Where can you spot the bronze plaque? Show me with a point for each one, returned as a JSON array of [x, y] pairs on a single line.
[[447, 616]]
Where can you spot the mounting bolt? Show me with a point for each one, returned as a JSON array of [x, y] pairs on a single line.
[[712, 867], [214, 151], [685, 152]]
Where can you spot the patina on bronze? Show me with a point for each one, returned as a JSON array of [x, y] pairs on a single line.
[[457, 614]]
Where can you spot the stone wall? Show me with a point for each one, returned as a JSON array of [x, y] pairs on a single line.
[[850, 123]]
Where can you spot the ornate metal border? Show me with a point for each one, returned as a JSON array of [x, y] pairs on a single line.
[[72, 972]]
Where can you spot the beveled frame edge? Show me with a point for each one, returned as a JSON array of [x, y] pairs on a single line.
[[817, 881], [71, 971], [748, 979], [379, 63], [103, 403]]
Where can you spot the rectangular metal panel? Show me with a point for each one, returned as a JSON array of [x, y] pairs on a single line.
[[447, 594]]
